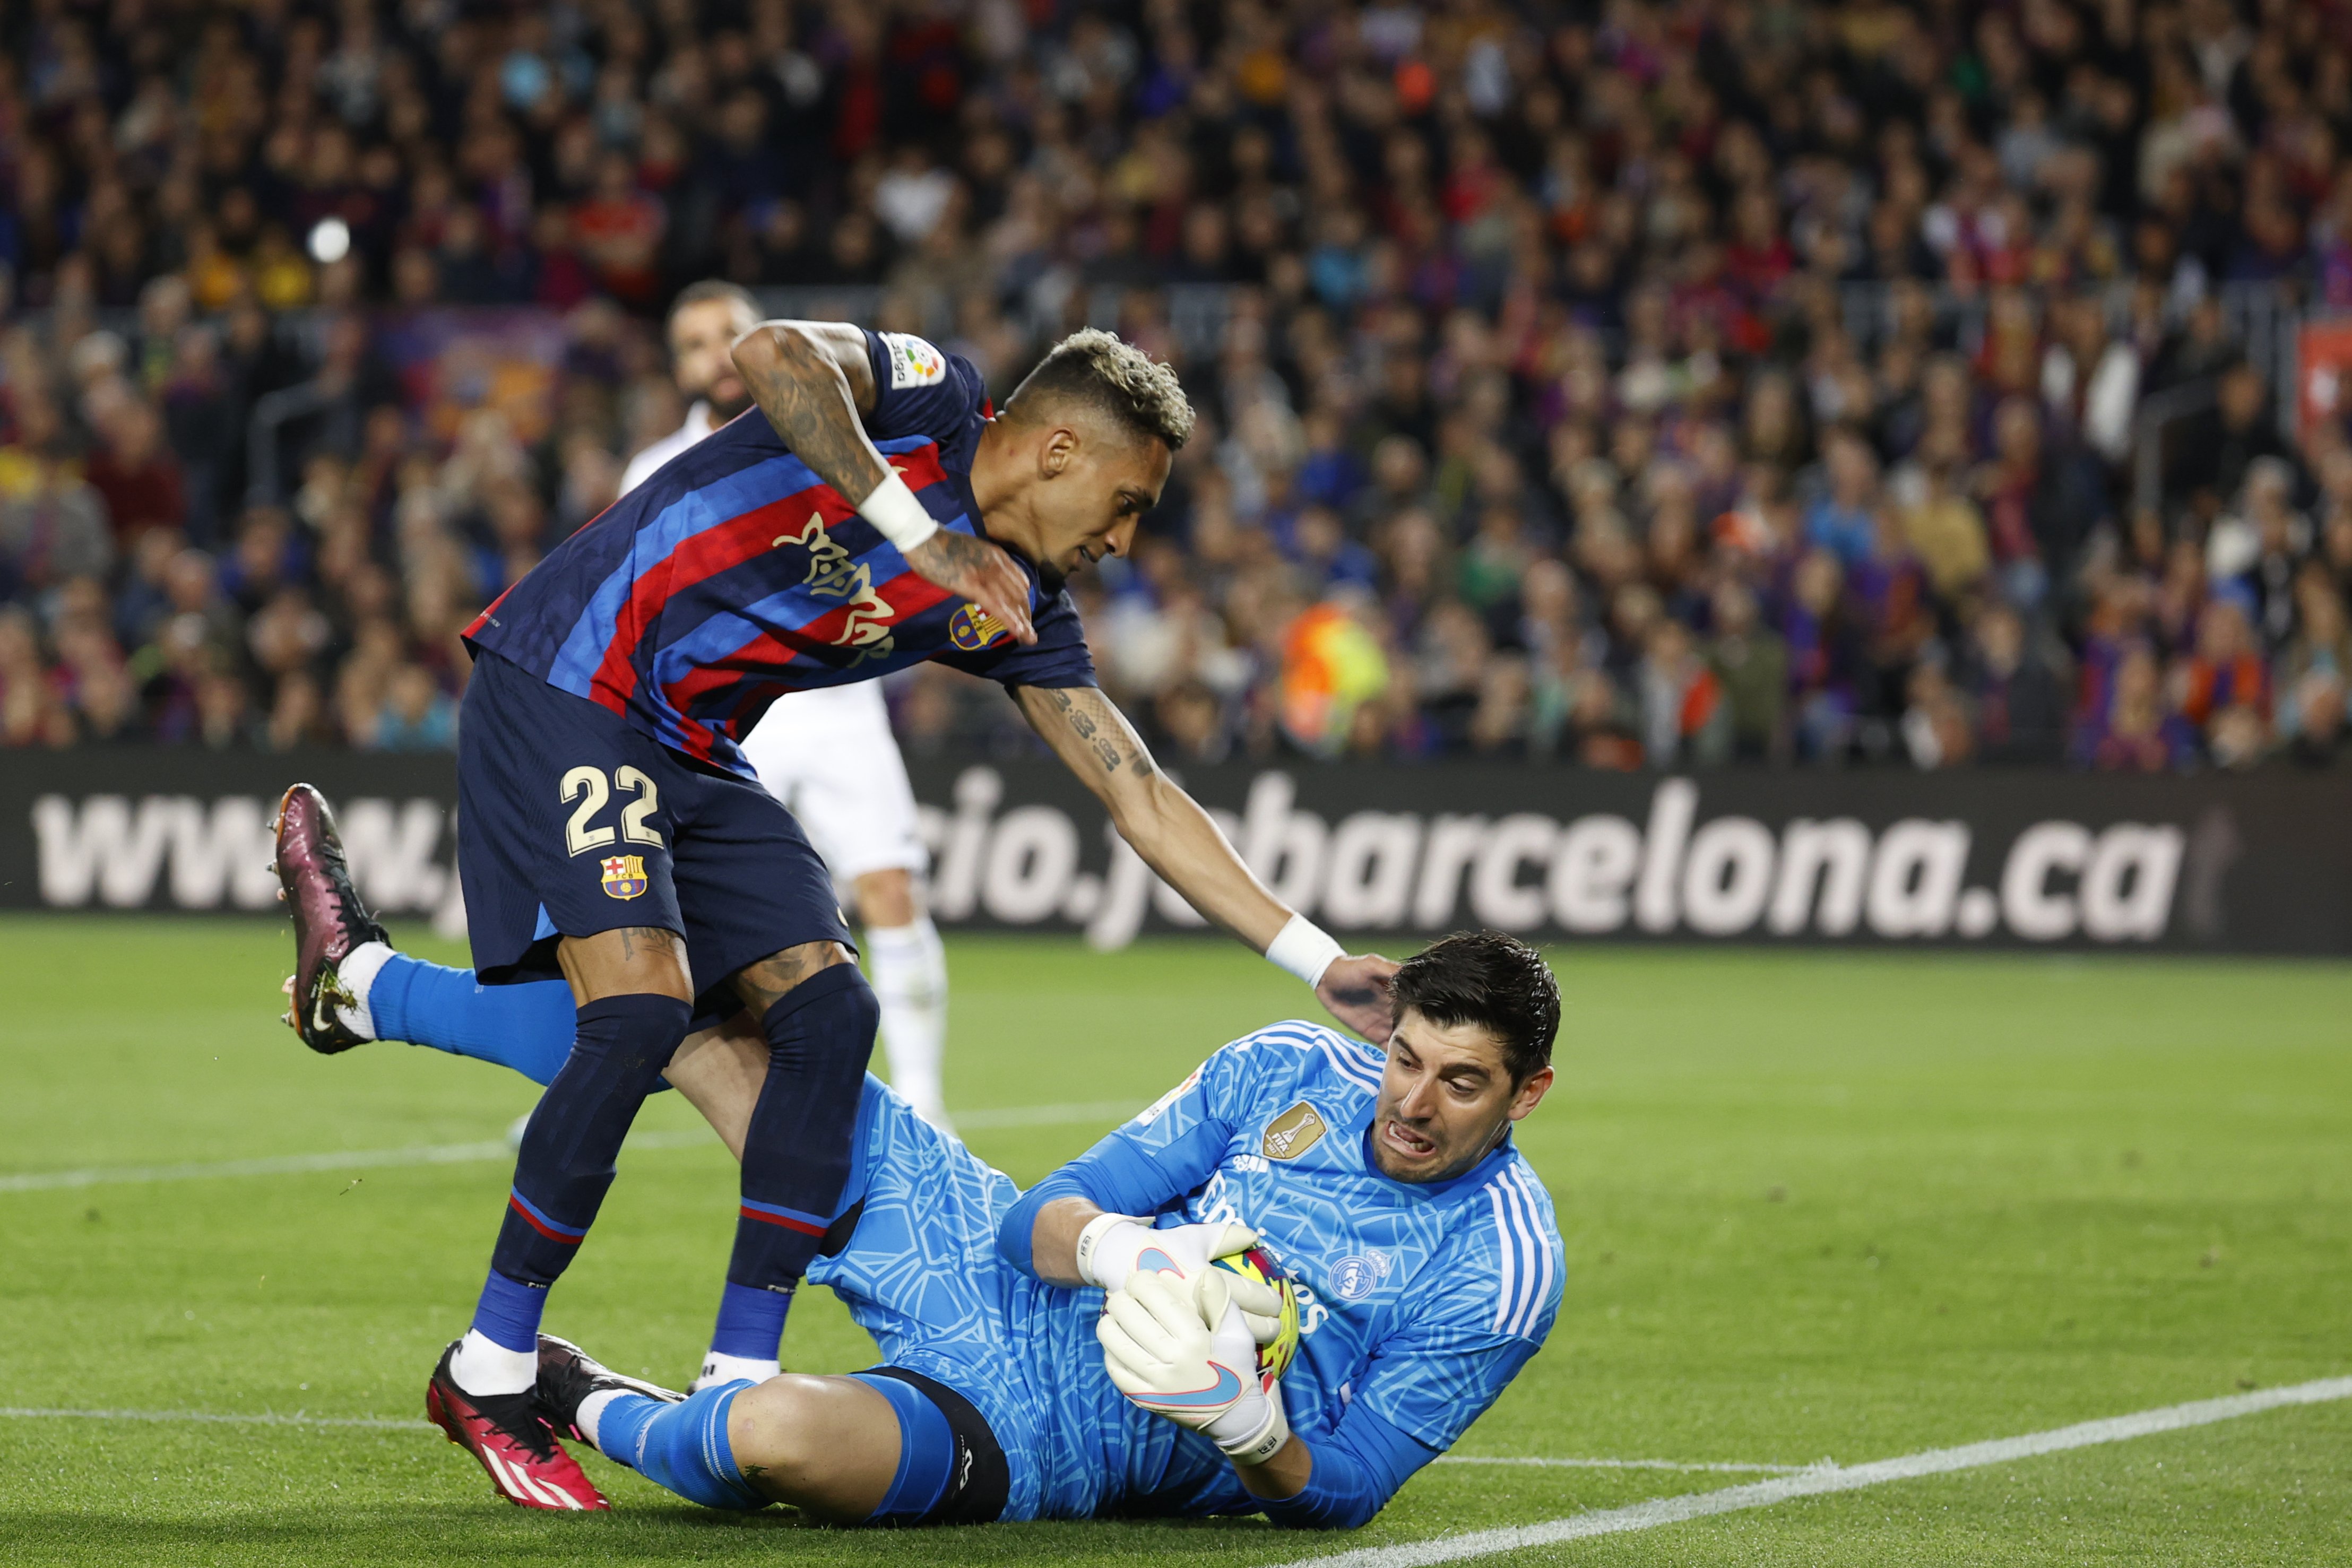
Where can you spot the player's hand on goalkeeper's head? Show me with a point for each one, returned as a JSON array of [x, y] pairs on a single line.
[[1355, 991], [1185, 1349]]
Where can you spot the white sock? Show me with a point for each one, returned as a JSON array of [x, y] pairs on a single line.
[[358, 972], [909, 967], [592, 1410], [483, 1366], [718, 1369]]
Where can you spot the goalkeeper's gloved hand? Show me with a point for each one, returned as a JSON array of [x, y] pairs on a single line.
[[1184, 1349], [1114, 1246]]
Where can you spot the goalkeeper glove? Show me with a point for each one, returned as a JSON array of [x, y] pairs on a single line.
[[1114, 1246], [1183, 1349]]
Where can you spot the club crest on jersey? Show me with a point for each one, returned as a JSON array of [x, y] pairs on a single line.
[[973, 629], [624, 876], [1359, 1275], [1293, 1133], [913, 362]]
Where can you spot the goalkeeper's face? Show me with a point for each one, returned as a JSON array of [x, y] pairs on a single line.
[[1446, 1098]]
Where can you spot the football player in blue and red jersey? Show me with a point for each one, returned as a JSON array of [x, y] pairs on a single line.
[[873, 514]]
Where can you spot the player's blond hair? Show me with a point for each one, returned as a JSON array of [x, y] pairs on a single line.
[[1099, 369]]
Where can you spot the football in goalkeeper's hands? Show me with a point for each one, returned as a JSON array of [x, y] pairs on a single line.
[[1276, 1337]]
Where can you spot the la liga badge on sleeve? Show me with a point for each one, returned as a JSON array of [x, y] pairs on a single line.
[[624, 876], [914, 362]]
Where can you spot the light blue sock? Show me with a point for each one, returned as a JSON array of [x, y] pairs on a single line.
[[528, 1027], [682, 1447]]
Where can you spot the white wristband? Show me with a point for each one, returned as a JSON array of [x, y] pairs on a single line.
[[1090, 1240], [893, 510], [1304, 948], [1267, 1440]]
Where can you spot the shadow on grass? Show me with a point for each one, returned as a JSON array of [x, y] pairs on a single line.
[[465, 1533]]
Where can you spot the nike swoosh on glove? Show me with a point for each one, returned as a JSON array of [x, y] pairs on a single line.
[[1113, 1247], [1160, 1350]]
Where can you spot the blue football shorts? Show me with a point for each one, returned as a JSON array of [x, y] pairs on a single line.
[[571, 823]]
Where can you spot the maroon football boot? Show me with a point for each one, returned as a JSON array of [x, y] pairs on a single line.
[[329, 918], [513, 1441]]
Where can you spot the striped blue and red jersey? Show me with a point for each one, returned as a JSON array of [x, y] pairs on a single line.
[[735, 575]]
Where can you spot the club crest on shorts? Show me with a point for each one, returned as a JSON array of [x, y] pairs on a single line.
[[1293, 1133], [973, 629], [624, 876]]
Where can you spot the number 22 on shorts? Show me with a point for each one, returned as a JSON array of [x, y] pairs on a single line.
[[588, 786]]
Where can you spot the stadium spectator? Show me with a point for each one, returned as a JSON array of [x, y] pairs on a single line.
[[31, 712], [2224, 673], [2020, 702], [2134, 730], [1520, 336], [135, 473], [1751, 664], [53, 525]]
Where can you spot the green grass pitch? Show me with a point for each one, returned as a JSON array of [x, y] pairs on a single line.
[[1815, 1206]]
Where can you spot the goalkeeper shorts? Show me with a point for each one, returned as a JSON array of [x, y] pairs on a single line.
[[951, 1468]]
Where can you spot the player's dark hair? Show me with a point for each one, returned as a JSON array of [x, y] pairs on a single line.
[[712, 289], [1096, 369], [1484, 978]]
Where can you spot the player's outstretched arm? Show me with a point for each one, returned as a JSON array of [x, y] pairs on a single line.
[[813, 380], [1177, 839]]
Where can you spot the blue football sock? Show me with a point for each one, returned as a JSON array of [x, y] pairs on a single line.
[[509, 1312], [796, 1151], [750, 1321], [566, 1164], [528, 1027], [682, 1447]]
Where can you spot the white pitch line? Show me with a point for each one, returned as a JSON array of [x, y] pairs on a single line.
[[1723, 1467], [296, 1164], [1826, 1479], [384, 1423], [492, 1149], [275, 1165]]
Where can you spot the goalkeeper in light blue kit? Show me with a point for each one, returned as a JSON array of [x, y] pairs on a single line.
[[1421, 1254]]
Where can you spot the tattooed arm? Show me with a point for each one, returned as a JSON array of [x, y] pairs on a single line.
[[813, 380], [1177, 839]]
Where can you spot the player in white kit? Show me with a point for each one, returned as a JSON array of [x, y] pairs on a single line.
[[829, 755]]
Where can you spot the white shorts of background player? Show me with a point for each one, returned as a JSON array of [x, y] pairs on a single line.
[[829, 755]]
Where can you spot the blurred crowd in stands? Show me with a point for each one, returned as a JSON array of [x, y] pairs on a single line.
[[1630, 384]]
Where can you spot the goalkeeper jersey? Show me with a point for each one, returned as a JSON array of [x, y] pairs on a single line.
[[1418, 1302]]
